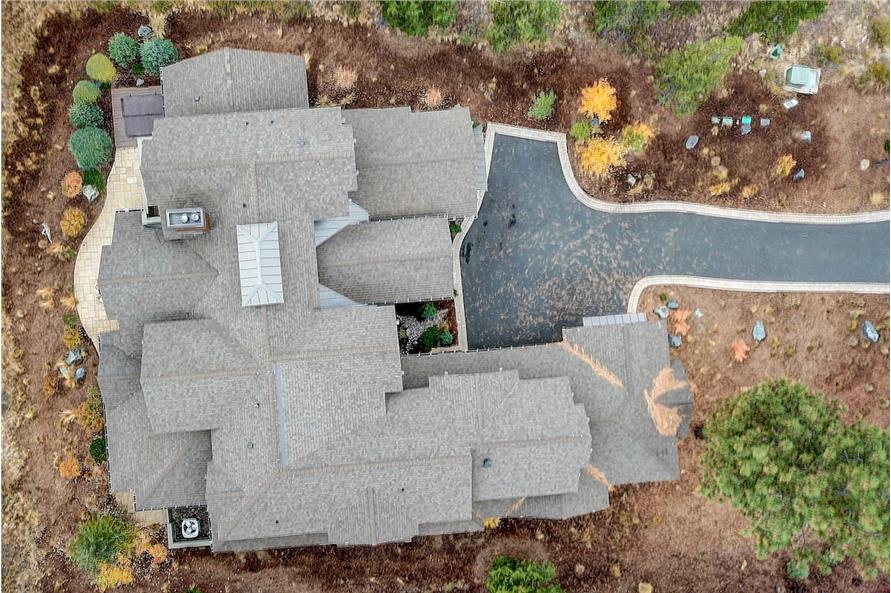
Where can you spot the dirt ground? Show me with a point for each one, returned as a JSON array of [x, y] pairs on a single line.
[[663, 533]]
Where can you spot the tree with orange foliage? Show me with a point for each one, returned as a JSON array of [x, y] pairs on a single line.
[[599, 100], [70, 467], [599, 154]]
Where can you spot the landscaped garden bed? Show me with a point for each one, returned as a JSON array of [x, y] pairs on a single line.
[[427, 326]]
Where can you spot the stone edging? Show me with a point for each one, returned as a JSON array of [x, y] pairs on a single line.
[[661, 206], [750, 286]]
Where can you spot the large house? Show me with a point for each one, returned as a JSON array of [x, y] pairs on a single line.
[[256, 369]]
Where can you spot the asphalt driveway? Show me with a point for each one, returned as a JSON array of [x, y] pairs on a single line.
[[537, 260]]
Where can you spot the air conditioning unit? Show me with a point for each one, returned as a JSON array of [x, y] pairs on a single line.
[[190, 528]]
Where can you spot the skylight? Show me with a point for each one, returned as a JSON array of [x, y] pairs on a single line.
[[259, 264]]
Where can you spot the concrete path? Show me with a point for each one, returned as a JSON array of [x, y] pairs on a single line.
[[123, 191], [542, 254]]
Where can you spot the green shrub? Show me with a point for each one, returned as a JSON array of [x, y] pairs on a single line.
[[686, 77], [808, 484], [542, 105], [69, 319], [887, 146], [580, 130], [454, 228], [430, 338], [85, 115], [123, 49], [415, 17], [521, 21], [428, 311], [100, 539], [510, 575], [875, 76], [157, 53], [775, 19], [446, 338], [830, 55], [684, 8], [100, 69], [99, 450], [95, 178], [626, 17], [879, 31], [91, 147], [85, 91]]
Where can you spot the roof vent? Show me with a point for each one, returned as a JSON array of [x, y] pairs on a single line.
[[197, 98], [301, 142], [487, 463]]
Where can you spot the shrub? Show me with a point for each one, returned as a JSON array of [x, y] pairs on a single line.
[[521, 21], [70, 467], [85, 115], [91, 147], [71, 337], [446, 338], [879, 31], [72, 183], [784, 165], [542, 105], [90, 413], [101, 539], [686, 77], [157, 53], [415, 17], [428, 311], [100, 69], [69, 319], [99, 450], [85, 91], [95, 178], [599, 154], [599, 100], [808, 483], [432, 98], [830, 55], [775, 19], [629, 18], [73, 221], [510, 575], [123, 49], [580, 130], [875, 76], [636, 137], [113, 575]]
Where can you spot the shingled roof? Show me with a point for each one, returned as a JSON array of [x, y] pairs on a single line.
[[297, 422], [230, 80]]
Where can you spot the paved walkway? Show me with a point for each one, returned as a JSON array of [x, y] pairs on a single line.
[[123, 192], [542, 254]]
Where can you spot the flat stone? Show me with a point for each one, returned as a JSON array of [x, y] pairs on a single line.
[[74, 356], [90, 192], [80, 374], [869, 331], [631, 179], [864, 164], [692, 141], [661, 312], [673, 304], [805, 136], [764, 122], [790, 103], [675, 341], [869, 388], [45, 231], [715, 120], [799, 175], [697, 313], [140, 82], [145, 32], [745, 129], [758, 332]]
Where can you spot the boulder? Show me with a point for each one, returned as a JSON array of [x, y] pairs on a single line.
[[673, 304], [675, 341], [869, 331], [145, 32], [90, 192], [661, 312], [758, 332], [692, 141]]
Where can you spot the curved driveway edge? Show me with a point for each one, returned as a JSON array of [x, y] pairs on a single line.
[[542, 254], [749, 286], [661, 206]]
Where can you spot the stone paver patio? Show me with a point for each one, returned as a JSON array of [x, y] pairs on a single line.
[[123, 192]]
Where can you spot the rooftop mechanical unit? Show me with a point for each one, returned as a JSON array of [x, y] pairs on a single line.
[[186, 222]]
